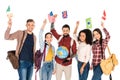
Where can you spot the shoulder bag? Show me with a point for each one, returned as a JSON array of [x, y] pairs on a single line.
[[12, 57], [107, 65]]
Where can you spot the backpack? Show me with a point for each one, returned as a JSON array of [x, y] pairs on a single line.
[[38, 59]]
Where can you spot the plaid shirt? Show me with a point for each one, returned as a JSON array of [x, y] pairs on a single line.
[[96, 49]]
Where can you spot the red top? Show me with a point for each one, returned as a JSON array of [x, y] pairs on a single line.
[[65, 41]]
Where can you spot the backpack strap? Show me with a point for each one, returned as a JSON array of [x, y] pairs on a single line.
[[60, 38], [71, 53], [44, 51], [21, 42], [71, 43]]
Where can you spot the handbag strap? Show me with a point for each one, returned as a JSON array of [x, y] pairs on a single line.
[[21, 42], [108, 50], [44, 51], [110, 76]]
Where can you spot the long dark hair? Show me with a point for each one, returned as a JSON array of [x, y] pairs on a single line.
[[99, 31], [88, 34], [47, 34]]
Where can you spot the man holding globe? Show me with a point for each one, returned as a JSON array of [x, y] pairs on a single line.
[[64, 56]]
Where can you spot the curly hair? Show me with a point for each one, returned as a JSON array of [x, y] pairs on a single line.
[[88, 34]]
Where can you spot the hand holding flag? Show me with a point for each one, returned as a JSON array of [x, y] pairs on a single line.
[[9, 23], [104, 15], [9, 14], [103, 19], [8, 9], [51, 17]]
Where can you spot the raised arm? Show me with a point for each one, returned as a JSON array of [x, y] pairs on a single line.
[[44, 24], [54, 32], [9, 36], [102, 24], [75, 31], [41, 41], [107, 38]]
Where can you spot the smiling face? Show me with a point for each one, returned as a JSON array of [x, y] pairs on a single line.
[[82, 37], [96, 35], [30, 25], [66, 31], [48, 38]]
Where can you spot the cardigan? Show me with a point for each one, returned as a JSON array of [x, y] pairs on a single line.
[[18, 35]]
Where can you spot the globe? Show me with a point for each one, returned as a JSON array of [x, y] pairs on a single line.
[[62, 52]]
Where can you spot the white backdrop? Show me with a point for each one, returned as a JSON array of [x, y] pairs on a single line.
[[77, 10]]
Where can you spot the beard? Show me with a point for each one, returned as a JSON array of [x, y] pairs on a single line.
[[65, 35]]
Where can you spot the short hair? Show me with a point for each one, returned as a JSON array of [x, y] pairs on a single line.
[[66, 26], [30, 20], [88, 34]]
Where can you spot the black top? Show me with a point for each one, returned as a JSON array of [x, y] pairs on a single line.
[[26, 53]]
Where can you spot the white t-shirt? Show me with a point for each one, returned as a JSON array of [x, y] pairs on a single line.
[[83, 51]]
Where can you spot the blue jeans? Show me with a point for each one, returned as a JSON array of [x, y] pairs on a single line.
[[25, 70], [84, 75], [97, 72], [46, 71]]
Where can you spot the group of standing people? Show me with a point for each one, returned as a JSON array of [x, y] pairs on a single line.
[[82, 47]]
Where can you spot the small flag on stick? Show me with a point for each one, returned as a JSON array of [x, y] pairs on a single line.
[[51, 13], [51, 17], [88, 23], [8, 9], [64, 14], [9, 14], [104, 15]]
